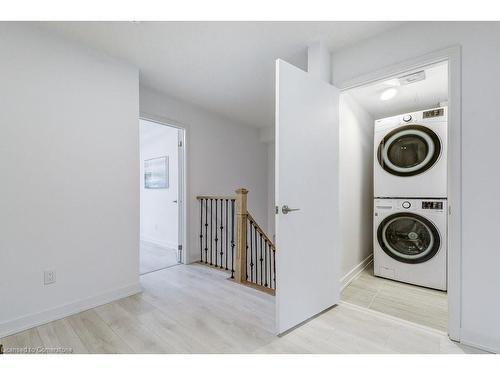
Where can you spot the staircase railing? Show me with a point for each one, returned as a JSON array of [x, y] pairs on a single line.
[[217, 232], [261, 257], [232, 240]]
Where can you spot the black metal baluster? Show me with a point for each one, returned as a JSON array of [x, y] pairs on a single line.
[[251, 251], [211, 235], [256, 249], [216, 237], [265, 262], [227, 201], [246, 252], [201, 230], [206, 231], [261, 260], [257, 256], [274, 267], [232, 239], [221, 229]]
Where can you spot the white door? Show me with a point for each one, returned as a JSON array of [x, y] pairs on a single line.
[[307, 170]]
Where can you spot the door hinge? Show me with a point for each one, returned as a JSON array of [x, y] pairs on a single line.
[[180, 143], [179, 253]]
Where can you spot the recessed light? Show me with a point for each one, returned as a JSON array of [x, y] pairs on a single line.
[[388, 94]]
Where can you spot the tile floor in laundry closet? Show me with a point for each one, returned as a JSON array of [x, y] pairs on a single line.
[[416, 304]]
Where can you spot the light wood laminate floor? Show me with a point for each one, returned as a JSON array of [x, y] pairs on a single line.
[[154, 257], [195, 309], [416, 304]]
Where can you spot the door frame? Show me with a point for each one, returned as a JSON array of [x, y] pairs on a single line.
[[182, 188], [453, 56]]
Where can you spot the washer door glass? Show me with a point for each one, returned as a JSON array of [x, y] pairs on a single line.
[[408, 238], [409, 150]]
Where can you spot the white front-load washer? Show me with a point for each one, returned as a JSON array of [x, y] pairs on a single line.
[[410, 241], [410, 155]]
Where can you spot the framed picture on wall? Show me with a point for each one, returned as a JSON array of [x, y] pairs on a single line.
[[156, 173]]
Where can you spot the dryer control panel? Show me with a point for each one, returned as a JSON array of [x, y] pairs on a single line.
[[433, 113], [432, 205]]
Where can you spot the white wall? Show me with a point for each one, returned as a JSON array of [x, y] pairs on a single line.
[[480, 133], [221, 157], [69, 151], [356, 186], [159, 212]]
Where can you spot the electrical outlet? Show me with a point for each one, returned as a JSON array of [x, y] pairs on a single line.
[[49, 277]]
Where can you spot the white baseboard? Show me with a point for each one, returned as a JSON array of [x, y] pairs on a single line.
[[352, 274], [169, 245], [33, 320]]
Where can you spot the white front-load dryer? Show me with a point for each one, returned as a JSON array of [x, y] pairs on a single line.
[[410, 241], [410, 155]]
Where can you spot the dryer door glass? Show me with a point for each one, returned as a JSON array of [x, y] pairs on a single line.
[[409, 150], [408, 238]]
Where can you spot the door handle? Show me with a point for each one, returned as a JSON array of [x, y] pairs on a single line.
[[285, 209], [175, 201]]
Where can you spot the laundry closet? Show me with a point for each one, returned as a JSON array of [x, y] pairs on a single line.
[[393, 166]]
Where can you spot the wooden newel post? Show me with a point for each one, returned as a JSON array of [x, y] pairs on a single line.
[[241, 235]]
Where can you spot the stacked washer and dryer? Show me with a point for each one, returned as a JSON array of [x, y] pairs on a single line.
[[410, 190]]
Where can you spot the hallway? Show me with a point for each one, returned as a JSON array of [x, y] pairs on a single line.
[[154, 257]]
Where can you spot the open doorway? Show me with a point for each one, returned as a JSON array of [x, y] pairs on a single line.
[[394, 195], [161, 187]]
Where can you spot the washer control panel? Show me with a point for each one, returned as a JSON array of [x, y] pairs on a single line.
[[432, 205], [429, 206]]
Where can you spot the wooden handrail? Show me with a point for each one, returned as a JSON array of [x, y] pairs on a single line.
[[259, 229]]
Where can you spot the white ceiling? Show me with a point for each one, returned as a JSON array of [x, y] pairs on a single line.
[[225, 67], [412, 97]]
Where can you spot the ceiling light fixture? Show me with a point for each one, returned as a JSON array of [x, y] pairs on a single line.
[[392, 82], [388, 94], [412, 78]]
